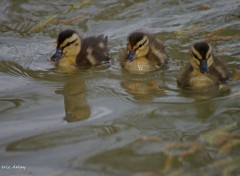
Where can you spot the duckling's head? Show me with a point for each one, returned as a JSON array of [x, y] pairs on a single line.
[[201, 56], [138, 45], [68, 45]]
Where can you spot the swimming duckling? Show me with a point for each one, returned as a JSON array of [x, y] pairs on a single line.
[[203, 69], [73, 52], [145, 53]]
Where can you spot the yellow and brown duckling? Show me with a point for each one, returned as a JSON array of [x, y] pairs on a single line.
[[204, 69], [145, 53], [72, 51]]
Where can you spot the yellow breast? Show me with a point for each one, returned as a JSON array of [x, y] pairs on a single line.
[[201, 81], [139, 65], [67, 64]]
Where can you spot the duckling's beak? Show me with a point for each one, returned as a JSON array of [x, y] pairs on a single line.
[[203, 66], [57, 55], [131, 56]]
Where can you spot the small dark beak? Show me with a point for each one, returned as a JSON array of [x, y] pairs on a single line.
[[131, 56], [57, 55], [203, 66]]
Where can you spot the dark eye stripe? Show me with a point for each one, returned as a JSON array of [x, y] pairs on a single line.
[[195, 56], [141, 44], [68, 44]]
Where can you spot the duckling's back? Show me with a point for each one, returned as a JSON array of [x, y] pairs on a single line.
[[94, 51], [157, 54], [220, 71]]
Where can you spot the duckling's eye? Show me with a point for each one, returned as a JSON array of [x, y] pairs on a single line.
[[195, 56], [68, 44], [142, 44]]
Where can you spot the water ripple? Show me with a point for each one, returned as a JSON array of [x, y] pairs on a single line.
[[9, 104], [61, 137]]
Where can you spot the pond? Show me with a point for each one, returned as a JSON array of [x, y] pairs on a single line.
[[107, 122]]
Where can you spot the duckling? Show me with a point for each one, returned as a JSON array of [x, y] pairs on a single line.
[[204, 69], [145, 53], [72, 51]]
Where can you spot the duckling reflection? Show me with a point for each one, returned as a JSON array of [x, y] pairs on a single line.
[[73, 52], [204, 109], [144, 53], [204, 69], [203, 100], [142, 89], [76, 106], [206, 94]]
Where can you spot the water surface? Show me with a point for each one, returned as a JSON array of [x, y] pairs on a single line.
[[104, 121]]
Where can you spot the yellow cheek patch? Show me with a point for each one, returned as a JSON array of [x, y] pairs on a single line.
[[208, 54], [209, 61]]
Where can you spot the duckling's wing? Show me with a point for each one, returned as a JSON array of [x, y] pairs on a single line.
[[94, 51], [157, 53], [184, 77], [103, 52], [219, 71]]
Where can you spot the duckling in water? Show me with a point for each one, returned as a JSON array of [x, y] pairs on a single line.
[[145, 53], [203, 69], [73, 52]]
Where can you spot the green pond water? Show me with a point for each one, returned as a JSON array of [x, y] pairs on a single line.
[[107, 122]]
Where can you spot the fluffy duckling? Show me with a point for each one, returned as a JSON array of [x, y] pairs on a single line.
[[73, 52], [145, 53], [204, 69]]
